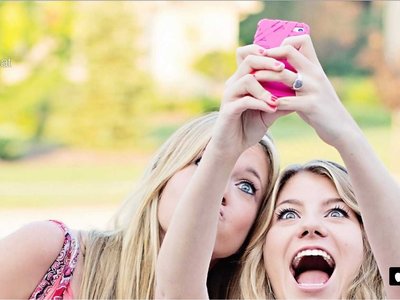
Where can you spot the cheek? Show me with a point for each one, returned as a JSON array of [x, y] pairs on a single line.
[[273, 242], [244, 217], [354, 238], [273, 258], [354, 247]]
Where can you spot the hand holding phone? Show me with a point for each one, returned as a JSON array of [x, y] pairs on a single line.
[[270, 34]]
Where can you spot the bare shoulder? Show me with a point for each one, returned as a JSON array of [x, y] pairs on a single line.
[[26, 255]]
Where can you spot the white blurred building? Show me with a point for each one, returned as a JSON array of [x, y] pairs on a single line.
[[176, 33]]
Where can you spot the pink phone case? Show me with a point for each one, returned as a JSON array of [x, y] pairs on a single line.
[[270, 34]]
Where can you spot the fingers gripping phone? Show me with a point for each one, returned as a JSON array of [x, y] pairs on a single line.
[[270, 34]]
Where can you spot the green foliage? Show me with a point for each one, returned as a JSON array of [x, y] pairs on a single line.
[[360, 96], [108, 107], [14, 22], [117, 105], [11, 149], [169, 114], [25, 23], [22, 101], [191, 106], [217, 65], [357, 90], [36, 36]]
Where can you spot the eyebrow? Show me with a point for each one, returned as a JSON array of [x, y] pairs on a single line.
[[254, 172], [297, 202]]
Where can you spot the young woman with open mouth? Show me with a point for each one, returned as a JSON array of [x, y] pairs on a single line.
[[330, 232]]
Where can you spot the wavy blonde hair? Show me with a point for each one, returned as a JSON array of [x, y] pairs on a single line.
[[120, 263], [252, 280]]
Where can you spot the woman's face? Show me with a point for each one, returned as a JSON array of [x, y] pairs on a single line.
[[242, 198], [314, 247]]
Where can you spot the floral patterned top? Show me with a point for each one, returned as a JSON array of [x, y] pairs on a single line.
[[56, 282]]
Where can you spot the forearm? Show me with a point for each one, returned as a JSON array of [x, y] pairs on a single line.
[[186, 251], [378, 195]]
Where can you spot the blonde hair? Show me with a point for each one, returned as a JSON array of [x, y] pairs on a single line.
[[120, 263], [253, 283]]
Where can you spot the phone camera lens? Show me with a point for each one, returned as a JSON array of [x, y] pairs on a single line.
[[298, 29]]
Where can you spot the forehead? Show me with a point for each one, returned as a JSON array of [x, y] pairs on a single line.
[[308, 187], [255, 158]]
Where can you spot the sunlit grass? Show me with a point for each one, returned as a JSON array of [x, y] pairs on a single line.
[[33, 185]]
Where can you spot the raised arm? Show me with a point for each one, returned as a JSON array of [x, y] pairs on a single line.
[[377, 192], [187, 248]]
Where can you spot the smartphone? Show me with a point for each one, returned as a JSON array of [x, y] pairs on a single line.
[[270, 34]]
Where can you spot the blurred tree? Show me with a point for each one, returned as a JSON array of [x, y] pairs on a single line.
[[108, 104], [217, 67], [35, 36], [25, 24], [42, 117], [225, 62], [15, 37]]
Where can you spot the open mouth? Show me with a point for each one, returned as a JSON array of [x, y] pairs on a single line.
[[312, 267]]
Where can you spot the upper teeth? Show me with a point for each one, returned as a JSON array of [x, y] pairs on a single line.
[[313, 252]]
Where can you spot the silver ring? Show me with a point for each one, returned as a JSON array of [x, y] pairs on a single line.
[[298, 83]]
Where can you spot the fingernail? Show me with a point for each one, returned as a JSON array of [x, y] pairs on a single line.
[[274, 98], [272, 106]]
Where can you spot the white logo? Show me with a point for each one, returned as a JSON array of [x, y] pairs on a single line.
[[397, 277]]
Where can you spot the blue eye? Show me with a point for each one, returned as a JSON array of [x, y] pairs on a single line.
[[287, 213], [246, 187], [337, 213]]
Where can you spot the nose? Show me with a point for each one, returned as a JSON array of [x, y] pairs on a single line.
[[312, 228], [227, 195], [223, 201]]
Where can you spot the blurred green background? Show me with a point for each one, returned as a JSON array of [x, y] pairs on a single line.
[[89, 90]]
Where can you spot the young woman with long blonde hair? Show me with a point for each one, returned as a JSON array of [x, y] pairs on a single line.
[[329, 233], [47, 260], [314, 221]]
